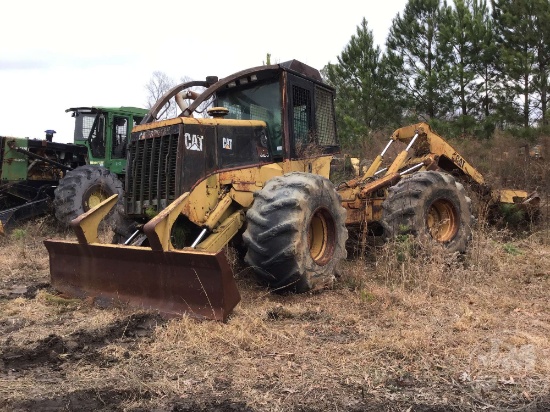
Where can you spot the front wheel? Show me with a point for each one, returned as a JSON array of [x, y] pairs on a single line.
[[432, 205], [296, 232], [83, 188]]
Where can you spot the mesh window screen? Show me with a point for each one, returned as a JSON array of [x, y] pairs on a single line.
[[87, 123], [301, 106], [235, 111], [120, 126], [324, 118], [258, 113]]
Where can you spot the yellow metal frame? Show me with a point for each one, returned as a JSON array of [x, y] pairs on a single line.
[[357, 196], [437, 145], [222, 214], [159, 228], [509, 195], [86, 225], [223, 233], [197, 121]]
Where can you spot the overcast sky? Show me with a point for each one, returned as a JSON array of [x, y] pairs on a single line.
[[58, 54]]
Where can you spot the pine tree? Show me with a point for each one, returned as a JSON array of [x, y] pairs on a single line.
[[486, 54], [464, 31], [516, 33], [361, 82], [415, 51], [542, 52], [468, 43]]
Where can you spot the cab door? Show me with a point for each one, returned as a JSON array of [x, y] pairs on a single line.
[[119, 128]]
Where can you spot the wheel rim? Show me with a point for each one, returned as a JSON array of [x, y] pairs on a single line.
[[94, 197], [442, 220], [321, 236]]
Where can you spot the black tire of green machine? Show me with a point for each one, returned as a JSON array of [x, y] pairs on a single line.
[[69, 196], [277, 232], [405, 209]]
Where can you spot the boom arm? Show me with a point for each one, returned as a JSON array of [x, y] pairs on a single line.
[[437, 146], [432, 151]]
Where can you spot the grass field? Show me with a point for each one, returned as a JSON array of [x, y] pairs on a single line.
[[405, 328]]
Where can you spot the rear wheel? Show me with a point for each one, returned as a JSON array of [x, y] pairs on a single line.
[[83, 188], [432, 205], [296, 232]]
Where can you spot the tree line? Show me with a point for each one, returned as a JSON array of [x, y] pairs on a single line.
[[466, 67]]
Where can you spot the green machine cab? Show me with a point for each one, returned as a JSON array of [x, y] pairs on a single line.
[[38, 173], [105, 131]]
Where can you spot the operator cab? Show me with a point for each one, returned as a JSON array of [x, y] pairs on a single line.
[[296, 106], [106, 132], [267, 114]]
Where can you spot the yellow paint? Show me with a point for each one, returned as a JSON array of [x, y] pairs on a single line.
[[198, 121], [317, 165], [397, 163], [245, 199], [223, 233], [202, 201], [86, 225], [160, 226], [218, 212], [270, 171], [509, 196], [436, 145], [373, 167], [244, 182]]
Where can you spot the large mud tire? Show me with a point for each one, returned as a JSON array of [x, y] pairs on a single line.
[[429, 205], [296, 233], [83, 188]]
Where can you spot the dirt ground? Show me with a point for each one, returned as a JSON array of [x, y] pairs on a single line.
[[401, 330]]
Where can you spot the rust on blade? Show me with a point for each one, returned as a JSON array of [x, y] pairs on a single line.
[[174, 283]]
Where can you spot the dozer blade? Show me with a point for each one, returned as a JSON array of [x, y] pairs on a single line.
[[174, 282], [171, 281]]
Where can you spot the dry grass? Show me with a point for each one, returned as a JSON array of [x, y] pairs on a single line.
[[406, 327]]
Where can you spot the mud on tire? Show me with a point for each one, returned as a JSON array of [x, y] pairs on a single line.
[[83, 188], [432, 205], [296, 232]]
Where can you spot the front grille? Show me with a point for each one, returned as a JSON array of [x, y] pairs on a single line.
[[151, 173]]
